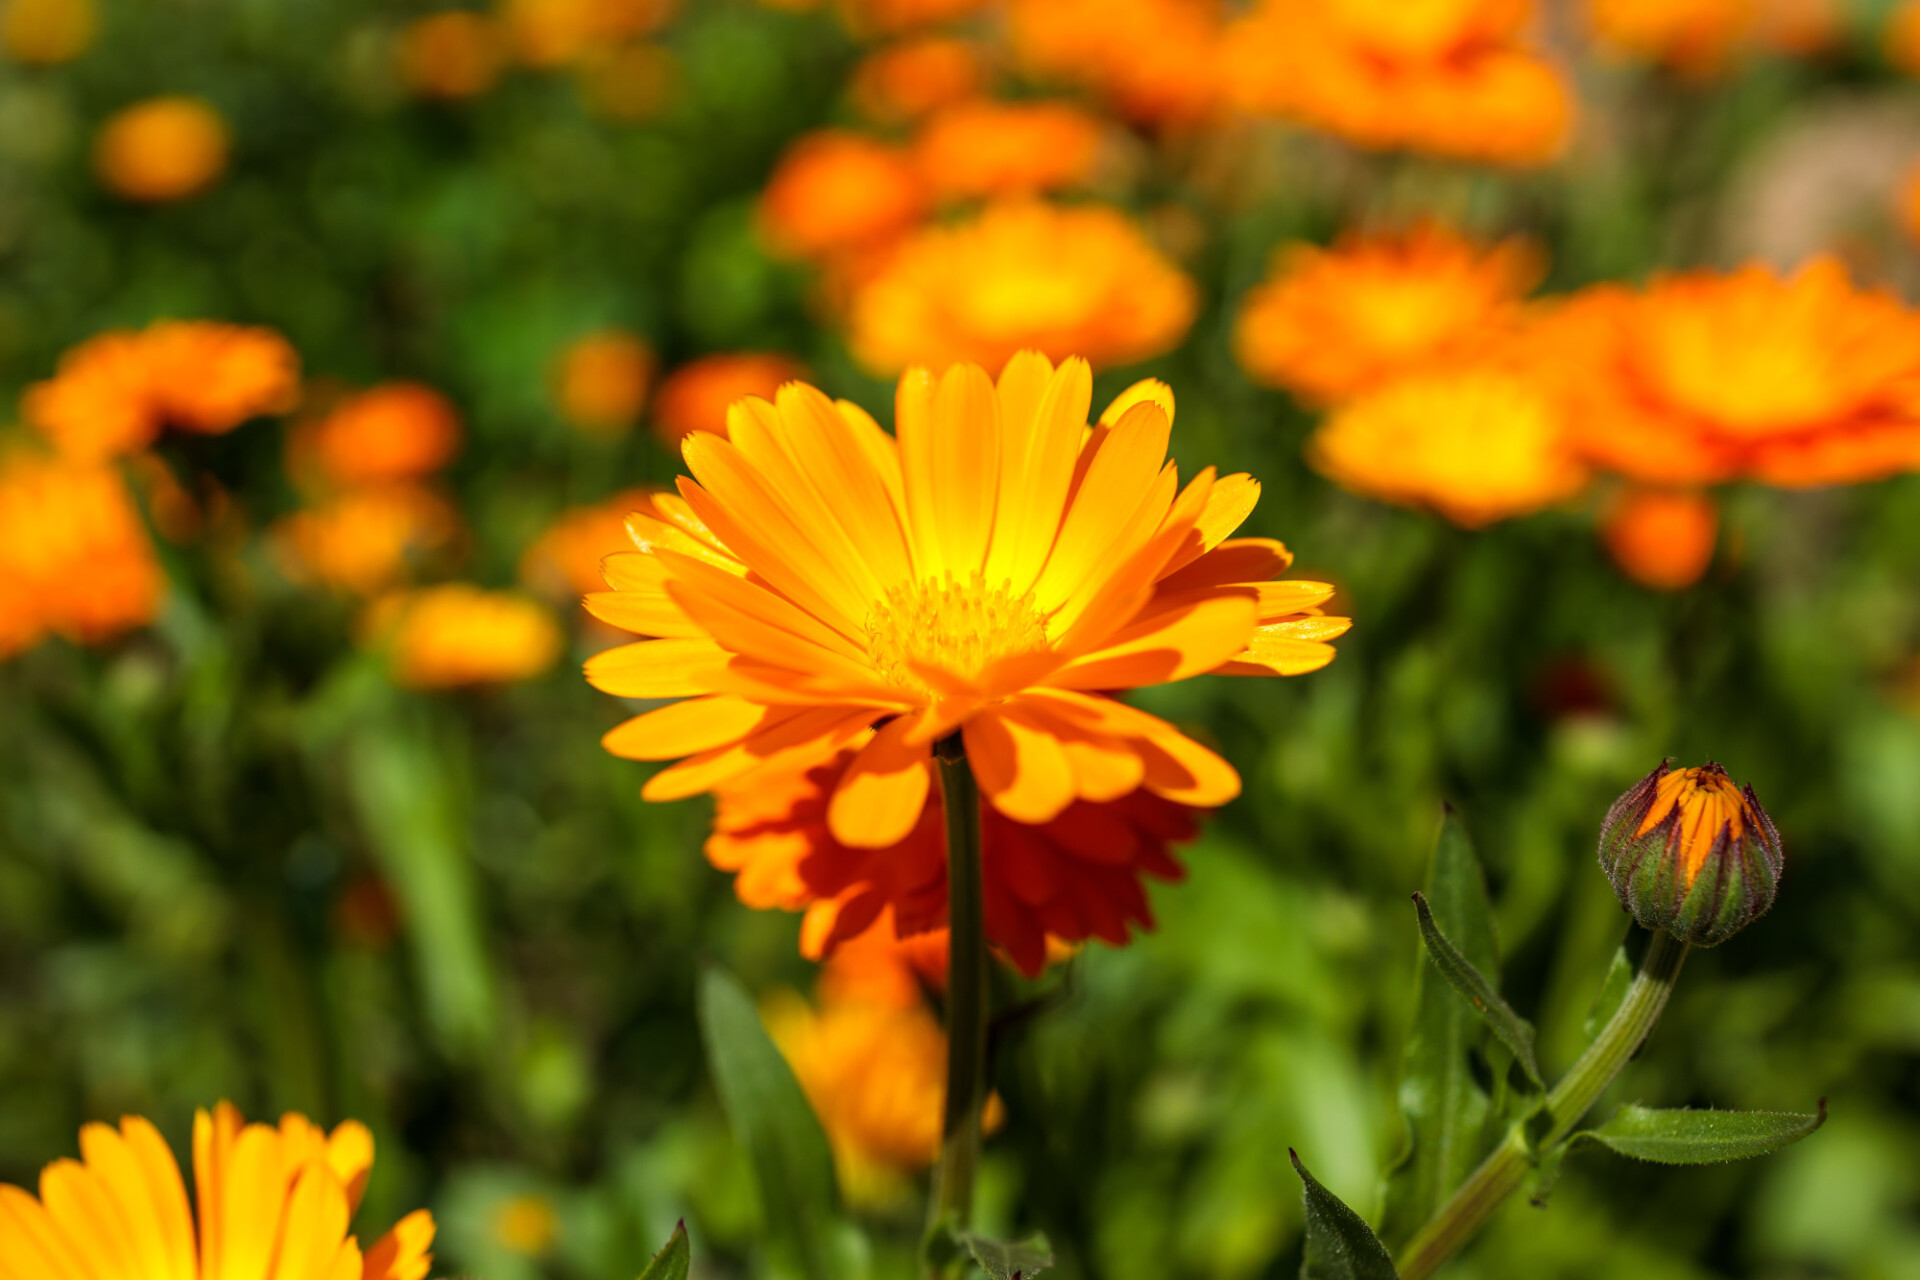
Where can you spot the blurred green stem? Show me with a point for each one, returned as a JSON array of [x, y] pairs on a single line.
[[966, 991], [1503, 1171]]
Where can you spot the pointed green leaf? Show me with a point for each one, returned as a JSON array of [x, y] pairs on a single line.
[[1514, 1031], [770, 1117], [1613, 990], [1683, 1136], [1018, 1260], [1340, 1245], [673, 1259]]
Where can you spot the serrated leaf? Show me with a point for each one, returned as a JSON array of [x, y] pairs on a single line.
[[1514, 1031], [1004, 1260], [1449, 1117], [1613, 990], [674, 1258], [770, 1117], [1685, 1136], [1340, 1244]]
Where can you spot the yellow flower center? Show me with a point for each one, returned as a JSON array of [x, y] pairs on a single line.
[[959, 626], [1709, 803]]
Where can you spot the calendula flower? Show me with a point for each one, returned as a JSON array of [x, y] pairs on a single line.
[[454, 634], [161, 149], [996, 571], [1693, 37], [451, 55], [1704, 377], [987, 148], [601, 380], [1328, 323], [1478, 443], [75, 559], [270, 1201], [364, 540], [525, 1224], [565, 560], [695, 396], [45, 32], [907, 80], [835, 191], [1661, 538], [891, 17], [1154, 61], [554, 33], [390, 432], [1901, 38], [1058, 279]]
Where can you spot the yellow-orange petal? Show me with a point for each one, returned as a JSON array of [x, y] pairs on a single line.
[[685, 728], [883, 791], [673, 668], [1022, 769]]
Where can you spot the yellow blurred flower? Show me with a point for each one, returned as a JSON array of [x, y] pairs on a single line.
[[162, 149], [629, 82], [601, 380], [1020, 275], [988, 148], [1475, 443], [364, 540], [1661, 538], [1901, 38], [1329, 323], [1153, 61], [834, 191], [451, 55], [526, 1224], [1694, 37], [907, 80], [271, 1200], [553, 33], [565, 560], [890, 17], [47, 31], [696, 395], [394, 431], [455, 634]]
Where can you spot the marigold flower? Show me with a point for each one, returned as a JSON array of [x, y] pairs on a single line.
[[451, 55], [696, 395], [1704, 377], [394, 431], [1103, 45], [161, 149], [890, 17], [1661, 538], [270, 1201], [995, 571], [565, 560], [1694, 37], [987, 148], [364, 540], [553, 33], [1901, 38], [47, 31], [834, 191], [601, 380], [454, 634], [1020, 275], [1477, 444], [1328, 323], [75, 558], [908, 80], [1689, 852]]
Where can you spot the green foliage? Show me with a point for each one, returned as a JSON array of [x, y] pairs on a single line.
[[1340, 1245], [672, 1260], [1686, 1136], [1514, 1031], [1018, 1260]]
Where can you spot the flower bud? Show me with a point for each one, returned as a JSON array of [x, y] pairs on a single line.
[[1691, 853]]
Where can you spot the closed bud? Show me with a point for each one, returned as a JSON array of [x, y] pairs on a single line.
[[1692, 853]]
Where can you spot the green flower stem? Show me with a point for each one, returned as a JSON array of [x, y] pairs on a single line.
[[1503, 1170], [966, 990]]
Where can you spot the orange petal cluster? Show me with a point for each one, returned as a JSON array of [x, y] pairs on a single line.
[[984, 147], [1154, 61], [362, 540], [600, 381], [907, 80], [836, 192], [162, 149], [556, 33], [44, 32], [390, 432], [565, 560], [1700, 38], [270, 1201], [1661, 538], [695, 396], [451, 55], [454, 634]]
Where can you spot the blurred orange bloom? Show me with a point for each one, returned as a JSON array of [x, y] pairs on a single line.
[[451, 55], [1704, 377], [835, 191], [1475, 443], [161, 149], [1661, 538], [75, 559], [1328, 323], [565, 560], [1901, 38], [1694, 37], [696, 395], [394, 431], [113, 393], [1907, 203], [601, 380], [1023, 275], [629, 82], [553, 33], [1154, 61], [455, 634], [890, 17], [987, 148], [47, 31], [366, 539], [905, 81]]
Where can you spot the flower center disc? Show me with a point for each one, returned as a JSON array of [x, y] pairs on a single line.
[[960, 627]]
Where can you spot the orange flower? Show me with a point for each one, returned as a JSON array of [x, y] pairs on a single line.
[[1328, 323], [906, 81], [161, 149], [601, 380], [1662, 538], [888, 17], [364, 540], [395, 431], [629, 82], [1704, 377], [451, 635], [47, 31], [451, 55], [1902, 37], [1694, 37], [834, 191], [75, 558], [565, 560], [696, 396], [553, 33], [1058, 279], [1476, 443], [270, 1201], [987, 148], [1155, 61], [996, 572]]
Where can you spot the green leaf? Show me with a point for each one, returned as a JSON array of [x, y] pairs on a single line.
[[1019, 1260], [771, 1119], [1514, 1031], [1340, 1245], [673, 1259], [1683, 1136], [1451, 1122], [1613, 990]]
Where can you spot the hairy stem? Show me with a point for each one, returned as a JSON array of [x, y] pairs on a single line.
[[966, 990]]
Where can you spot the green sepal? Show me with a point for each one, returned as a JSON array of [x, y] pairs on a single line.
[[1008, 1260], [1685, 1136], [672, 1261], [1514, 1031], [1340, 1244]]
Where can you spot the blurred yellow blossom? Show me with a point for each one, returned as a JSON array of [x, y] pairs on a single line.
[[553, 33], [987, 148], [47, 31], [526, 1224], [364, 540], [455, 634], [161, 149], [600, 381]]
